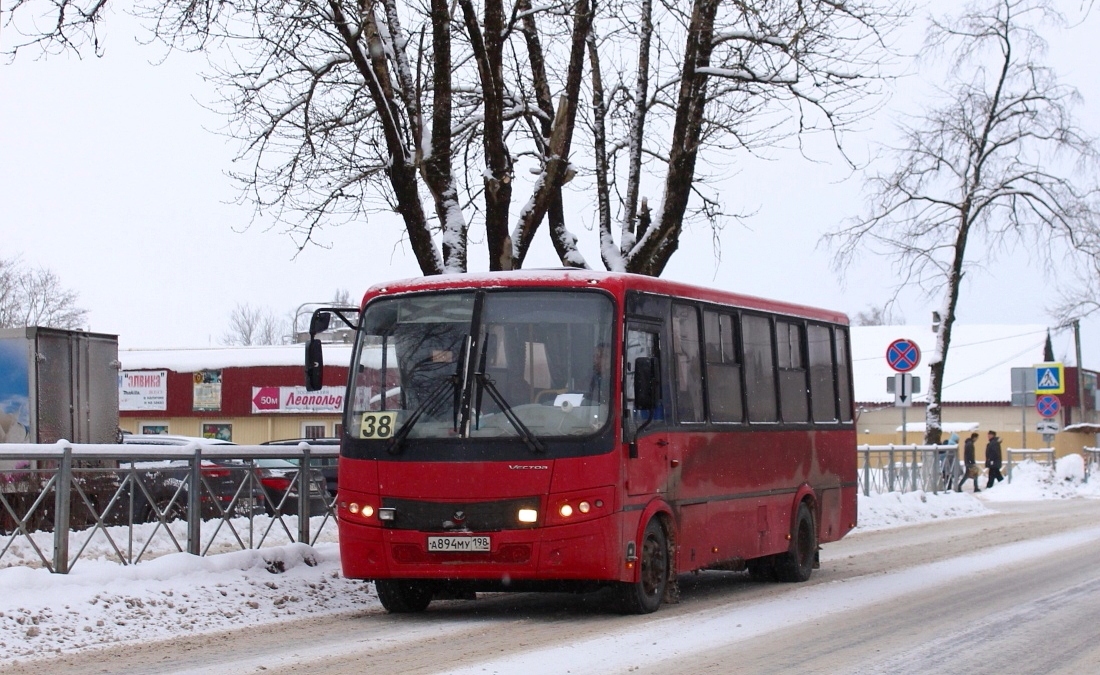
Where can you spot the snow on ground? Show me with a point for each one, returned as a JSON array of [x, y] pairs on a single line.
[[102, 602]]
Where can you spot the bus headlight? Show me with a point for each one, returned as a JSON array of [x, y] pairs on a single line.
[[527, 516], [579, 506], [366, 510]]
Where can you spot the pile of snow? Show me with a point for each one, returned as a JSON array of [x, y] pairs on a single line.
[[1032, 481], [894, 509], [102, 602]]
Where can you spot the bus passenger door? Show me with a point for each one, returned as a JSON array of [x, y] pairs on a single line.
[[647, 471]]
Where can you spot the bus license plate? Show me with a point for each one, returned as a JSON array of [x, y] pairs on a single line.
[[458, 544]]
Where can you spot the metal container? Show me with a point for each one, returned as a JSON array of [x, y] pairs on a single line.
[[58, 384]]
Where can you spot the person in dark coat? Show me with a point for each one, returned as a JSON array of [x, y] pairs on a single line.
[[970, 464], [993, 459]]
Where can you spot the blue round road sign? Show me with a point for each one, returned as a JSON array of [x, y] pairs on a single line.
[[903, 355], [1048, 405]]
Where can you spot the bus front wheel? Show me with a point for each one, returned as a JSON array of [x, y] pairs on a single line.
[[798, 562], [644, 595], [402, 596]]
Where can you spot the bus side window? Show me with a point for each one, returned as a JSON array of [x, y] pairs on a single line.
[[687, 364], [756, 333], [792, 372], [843, 373], [822, 391], [723, 368]]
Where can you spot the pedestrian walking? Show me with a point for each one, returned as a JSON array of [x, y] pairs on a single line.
[[949, 463], [970, 463], [993, 459]]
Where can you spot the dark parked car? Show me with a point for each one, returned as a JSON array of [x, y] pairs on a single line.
[[326, 465], [279, 478], [226, 480]]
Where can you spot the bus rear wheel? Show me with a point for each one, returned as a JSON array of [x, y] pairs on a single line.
[[402, 596], [644, 595], [798, 562]]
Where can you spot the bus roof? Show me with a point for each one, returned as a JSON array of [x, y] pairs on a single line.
[[616, 283]]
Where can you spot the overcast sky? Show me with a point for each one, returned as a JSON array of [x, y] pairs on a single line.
[[112, 174]]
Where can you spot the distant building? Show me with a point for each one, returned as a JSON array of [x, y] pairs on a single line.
[[977, 392], [241, 394]]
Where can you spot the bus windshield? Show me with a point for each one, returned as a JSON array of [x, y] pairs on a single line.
[[524, 365]]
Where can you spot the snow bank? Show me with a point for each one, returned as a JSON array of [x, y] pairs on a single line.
[[895, 509], [102, 603], [1033, 481]]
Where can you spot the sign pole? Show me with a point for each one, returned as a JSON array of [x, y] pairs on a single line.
[[903, 356], [1023, 425], [1080, 373]]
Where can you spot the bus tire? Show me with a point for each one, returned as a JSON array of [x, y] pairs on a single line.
[[798, 562], [402, 596], [644, 595]]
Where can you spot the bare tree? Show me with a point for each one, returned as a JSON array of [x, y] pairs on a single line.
[[35, 297], [249, 326], [875, 316], [994, 167], [350, 108], [341, 298]]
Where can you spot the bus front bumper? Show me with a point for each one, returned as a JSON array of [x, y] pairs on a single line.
[[581, 551]]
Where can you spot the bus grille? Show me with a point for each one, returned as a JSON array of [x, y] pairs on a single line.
[[458, 516]]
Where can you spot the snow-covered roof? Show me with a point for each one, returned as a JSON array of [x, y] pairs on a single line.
[[211, 358], [979, 360]]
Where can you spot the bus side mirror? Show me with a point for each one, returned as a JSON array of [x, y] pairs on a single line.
[[319, 322], [315, 364], [647, 383]]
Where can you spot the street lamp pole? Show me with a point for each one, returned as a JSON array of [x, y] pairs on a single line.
[[1080, 372]]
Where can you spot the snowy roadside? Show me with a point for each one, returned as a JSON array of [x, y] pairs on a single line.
[[102, 602]]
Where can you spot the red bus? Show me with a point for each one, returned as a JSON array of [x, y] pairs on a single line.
[[577, 430]]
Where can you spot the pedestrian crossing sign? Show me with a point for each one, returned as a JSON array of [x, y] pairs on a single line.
[[1049, 378]]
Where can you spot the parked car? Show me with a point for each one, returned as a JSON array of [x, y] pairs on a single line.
[[326, 465], [227, 480], [279, 479]]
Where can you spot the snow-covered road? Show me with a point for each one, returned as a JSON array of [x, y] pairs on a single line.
[[237, 612]]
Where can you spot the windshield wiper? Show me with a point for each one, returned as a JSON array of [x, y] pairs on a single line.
[[430, 405], [529, 438]]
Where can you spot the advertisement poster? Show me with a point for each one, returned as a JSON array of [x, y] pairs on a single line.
[[15, 409], [297, 400], [143, 390], [219, 431], [208, 390]]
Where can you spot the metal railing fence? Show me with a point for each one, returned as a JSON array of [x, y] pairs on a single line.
[[81, 492], [111, 487], [934, 468], [907, 468], [1037, 455], [1092, 461]]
